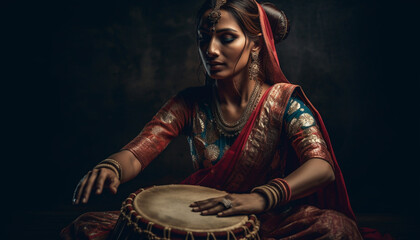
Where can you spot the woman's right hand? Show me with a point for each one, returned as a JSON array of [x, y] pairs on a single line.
[[95, 180]]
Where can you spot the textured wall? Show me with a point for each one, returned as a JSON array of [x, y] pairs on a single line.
[[89, 75]]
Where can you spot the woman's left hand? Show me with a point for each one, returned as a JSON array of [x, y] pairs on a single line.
[[252, 203]]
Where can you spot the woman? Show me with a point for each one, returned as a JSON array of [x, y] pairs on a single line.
[[251, 133]]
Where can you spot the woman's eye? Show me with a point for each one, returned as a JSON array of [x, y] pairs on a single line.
[[228, 39]]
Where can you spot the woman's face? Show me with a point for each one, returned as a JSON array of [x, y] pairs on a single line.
[[225, 51]]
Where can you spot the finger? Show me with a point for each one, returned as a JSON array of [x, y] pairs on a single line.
[[79, 188], [89, 185], [229, 212], [207, 204], [198, 203], [216, 209], [115, 183], [102, 176]]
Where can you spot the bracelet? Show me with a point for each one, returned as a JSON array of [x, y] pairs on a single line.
[[276, 192], [285, 187], [109, 166], [115, 164], [268, 194]]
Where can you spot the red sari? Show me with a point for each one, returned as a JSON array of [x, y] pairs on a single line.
[[260, 153]]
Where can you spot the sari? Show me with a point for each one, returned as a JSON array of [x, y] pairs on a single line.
[[261, 152]]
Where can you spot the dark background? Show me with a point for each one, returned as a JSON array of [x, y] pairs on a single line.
[[82, 78]]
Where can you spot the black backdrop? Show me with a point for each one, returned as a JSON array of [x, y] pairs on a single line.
[[82, 79]]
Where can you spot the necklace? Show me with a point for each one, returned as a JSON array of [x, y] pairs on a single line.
[[233, 129]]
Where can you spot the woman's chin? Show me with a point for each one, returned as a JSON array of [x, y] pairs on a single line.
[[216, 74]]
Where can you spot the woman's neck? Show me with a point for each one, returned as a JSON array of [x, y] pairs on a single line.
[[235, 91]]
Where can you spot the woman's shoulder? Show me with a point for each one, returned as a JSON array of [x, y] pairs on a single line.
[[285, 86], [282, 91]]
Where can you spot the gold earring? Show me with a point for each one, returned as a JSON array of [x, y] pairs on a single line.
[[254, 66]]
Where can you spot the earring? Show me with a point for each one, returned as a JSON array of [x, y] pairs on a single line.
[[254, 66]]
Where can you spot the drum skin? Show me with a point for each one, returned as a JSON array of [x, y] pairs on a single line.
[[163, 212]]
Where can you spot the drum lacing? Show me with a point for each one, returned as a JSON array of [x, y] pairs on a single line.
[[255, 228], [128, 216], [188, 234], [136, 226], [149, 231], [229, 233], [167, 233], [211, 234], [246, 231]]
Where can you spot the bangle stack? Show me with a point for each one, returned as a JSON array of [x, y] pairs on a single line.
[[112, 165], [277, 192]]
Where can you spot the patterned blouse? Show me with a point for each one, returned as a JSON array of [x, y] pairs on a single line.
[[213, 145], [285, 125]]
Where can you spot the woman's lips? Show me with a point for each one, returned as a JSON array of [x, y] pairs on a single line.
[[215, 65]]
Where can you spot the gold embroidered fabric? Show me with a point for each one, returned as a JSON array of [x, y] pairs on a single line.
[[261, 157]]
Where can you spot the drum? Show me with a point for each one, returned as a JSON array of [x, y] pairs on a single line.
[[163, 212]]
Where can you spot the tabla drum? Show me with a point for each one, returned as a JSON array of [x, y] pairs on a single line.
[[163, 212]]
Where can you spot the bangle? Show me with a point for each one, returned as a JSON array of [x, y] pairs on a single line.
[[276, 192], [109, 166], [284, 187], [269, 194], [115, 164]]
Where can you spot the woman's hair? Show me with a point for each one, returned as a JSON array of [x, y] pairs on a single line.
[[246, 14]]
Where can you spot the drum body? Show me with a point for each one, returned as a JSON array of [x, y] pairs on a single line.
[[163, 212]]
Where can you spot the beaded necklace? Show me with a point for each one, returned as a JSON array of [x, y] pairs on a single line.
[[232, 129]]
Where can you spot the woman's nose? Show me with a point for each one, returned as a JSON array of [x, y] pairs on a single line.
[[212, 50]]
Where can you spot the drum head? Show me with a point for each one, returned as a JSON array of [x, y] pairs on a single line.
[[168, 206]]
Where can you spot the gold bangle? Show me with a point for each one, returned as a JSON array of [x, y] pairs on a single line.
[[266, 193], [109, 166], [280, 191], [115, 163], [276, 195]]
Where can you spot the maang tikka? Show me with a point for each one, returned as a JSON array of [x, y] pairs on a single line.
[[254, 66], [215, 14]]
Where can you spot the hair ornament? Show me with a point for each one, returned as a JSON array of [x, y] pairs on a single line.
[[215, 14]]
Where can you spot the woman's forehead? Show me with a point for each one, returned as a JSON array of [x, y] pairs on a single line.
[[226, 21]]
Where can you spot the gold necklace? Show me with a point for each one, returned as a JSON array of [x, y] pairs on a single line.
[[233, 129]]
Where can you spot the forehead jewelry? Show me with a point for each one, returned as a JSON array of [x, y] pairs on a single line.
[[215, 14]]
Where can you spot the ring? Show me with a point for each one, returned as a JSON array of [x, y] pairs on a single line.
[[226, 202]]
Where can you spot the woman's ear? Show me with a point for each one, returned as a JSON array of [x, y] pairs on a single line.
[[257, 44]]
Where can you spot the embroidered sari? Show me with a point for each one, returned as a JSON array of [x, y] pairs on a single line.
[[266, 148]]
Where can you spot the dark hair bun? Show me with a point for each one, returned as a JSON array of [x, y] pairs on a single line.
[[278, 21]]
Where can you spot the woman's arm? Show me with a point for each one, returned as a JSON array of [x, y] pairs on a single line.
[[100, 178], [305, 180], [136, 155], [310, 177], [130, 165]]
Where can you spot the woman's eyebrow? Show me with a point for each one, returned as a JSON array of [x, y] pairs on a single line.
[[226, 30], [219, 30]]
